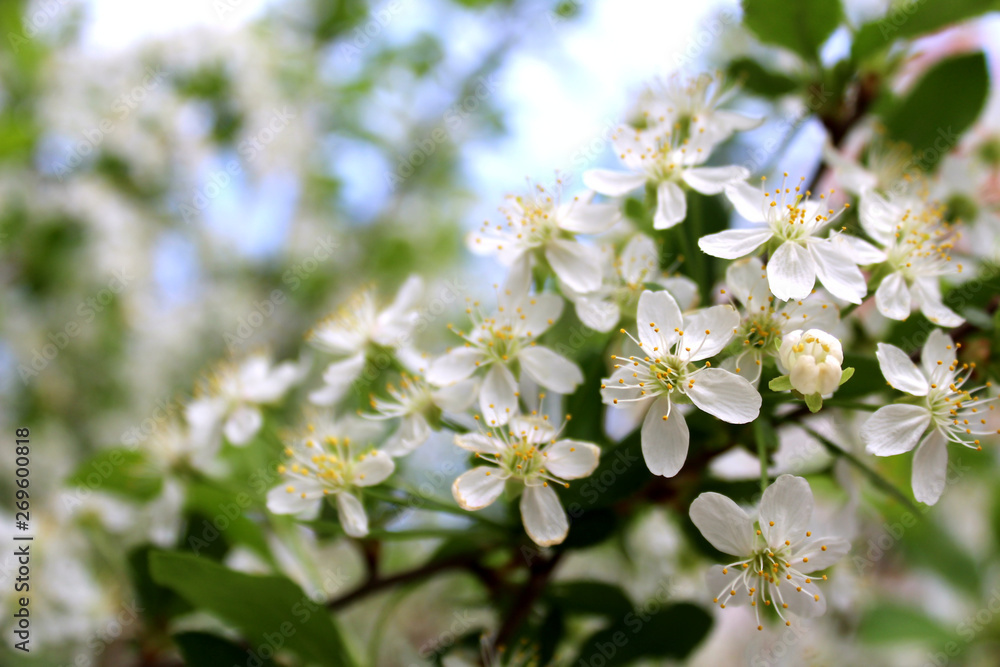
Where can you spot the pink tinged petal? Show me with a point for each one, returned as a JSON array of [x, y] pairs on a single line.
[[543, 516], [583, 218], [337, 379], [820, 559], [748, 201], [927, 293], [243, 424], [575, 264], [734, 243], [713, 180], [612, 183], [791, 272], [901, 373], [725, 395], [723, 523], [498, 395], [282, 501], [892, 298], [351, 514], [788, 504], [938, 354], [550, 369], [478, 487], [372, 468], [894, 429], [723, 585], [707, 332], [572, 459], [807, 603], [664, 441], [838, 272], [658, 319], [454, 366], [671, 206], [930, 468], [413, 431]]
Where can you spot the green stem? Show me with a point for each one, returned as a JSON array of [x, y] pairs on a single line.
[[766, 439], [871, 474]]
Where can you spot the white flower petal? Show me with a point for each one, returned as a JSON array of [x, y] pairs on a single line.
[[748, 200], [892, 298], [791, 272], [894, 429], [725, 395], [352, 515], [413, 431], [664, 441], [725, 587], [723, 523], [544, 519], [640, 260], [707, 332], [819, 559], [454, 366], [612, 183], [838, 271], [337, 379], [498, 395], [575, 264], [282, 501], [938, 354], [598, 313], [746, 279], [243, 424], [373, 468], [480, 443], [927, 293], [734, 243], [456, 397], [572, 459], [584, 218], [788, 504], [671, 206], [479, 487], [550, 369], [713, 180], [806, 603], [930, 468], [658, 317], [901, 373], [537, 314]]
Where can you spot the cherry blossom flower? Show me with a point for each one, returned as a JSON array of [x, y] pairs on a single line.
[[325, 461], [943, 411], [812, 360], [358, 328], [792, 222], [776, 560], [529, 455], [667, 375]]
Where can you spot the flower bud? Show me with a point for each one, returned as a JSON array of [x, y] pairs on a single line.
[[812, 360]]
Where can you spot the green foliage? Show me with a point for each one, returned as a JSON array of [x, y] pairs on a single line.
[[755, 78], [651, 630], [119, 471], [201, 649], [801, 27], [262, 607], [889, 622]]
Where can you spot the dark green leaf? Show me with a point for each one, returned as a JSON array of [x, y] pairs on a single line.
[[889, 623], [590, 598], [801, 27], [201, 649], [120, 471], [264, 608], [911, 19], [754, 78], [649, 631]]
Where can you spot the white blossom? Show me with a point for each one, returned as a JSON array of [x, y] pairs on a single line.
[[812, 359]]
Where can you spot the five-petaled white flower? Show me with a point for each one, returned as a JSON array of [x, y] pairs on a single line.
[[624, 279], [918, 246], [504, 342], [665, 161], [418, 405], [541, 227], [666, 375], [765, 320], [942, 412], [231, 394], [357, 329], [793, 223], [775, 559], [528, 455], [325, 461]]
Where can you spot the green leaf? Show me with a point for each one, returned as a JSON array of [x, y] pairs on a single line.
[[120, 471], [890, 623], [801, 27], [265, 608], [912, 19], [220, 512], [814, 402], [648, 631], [593, 598], [201, 649], [847, 375], [754, 78], [943, 104], [781, 383]]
